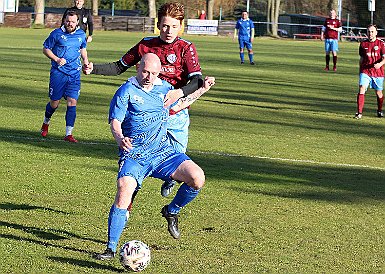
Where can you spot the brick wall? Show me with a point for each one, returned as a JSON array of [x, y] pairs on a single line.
[[18, 20]]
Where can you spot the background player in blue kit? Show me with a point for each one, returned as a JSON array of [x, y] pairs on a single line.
[[65, 46], [245, 31], [138, 120]]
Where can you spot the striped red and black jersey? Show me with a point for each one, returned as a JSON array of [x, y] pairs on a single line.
[[329, 33], [372, 53], [179, 59]]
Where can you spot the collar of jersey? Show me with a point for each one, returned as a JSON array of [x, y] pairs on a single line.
[[157, 82]]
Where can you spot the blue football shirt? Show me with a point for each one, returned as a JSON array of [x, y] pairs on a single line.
[[244, 28], [67, 45], [143, 117]]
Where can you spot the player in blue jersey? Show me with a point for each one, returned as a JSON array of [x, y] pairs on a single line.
[[244, 29], [65, 46], [138, 121]]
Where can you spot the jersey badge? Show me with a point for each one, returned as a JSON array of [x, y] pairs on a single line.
[[376, 47], [171, 58], [139, 99]]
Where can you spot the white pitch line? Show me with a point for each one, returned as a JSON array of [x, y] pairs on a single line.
[[216, 153]]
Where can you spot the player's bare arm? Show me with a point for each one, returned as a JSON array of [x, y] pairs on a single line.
[[84, 56], [191, 98], [195, 82], [53, 57], [116, 130]]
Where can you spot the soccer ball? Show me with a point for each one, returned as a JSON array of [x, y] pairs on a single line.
[[135, 255]]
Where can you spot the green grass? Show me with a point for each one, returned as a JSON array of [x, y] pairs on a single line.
[[294, 184]]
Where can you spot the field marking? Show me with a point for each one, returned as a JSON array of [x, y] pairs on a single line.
[[223, 154]]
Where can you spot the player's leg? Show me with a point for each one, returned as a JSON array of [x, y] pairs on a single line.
[[70, 119], [117, 217], [327, 54], [364, 82], [177, 131], [241, 50], [249, 47], [378, 86], [334, 52], [57, 83], [72, 96], [193, 177]]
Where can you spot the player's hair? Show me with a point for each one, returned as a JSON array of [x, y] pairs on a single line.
[[371, 25], [72, 13], [174, 10]]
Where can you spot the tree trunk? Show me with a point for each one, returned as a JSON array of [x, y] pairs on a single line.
[[39, 12], [333, 5], [151, 9], [210, 9], [275, 15], [268, 16], [95, 6]]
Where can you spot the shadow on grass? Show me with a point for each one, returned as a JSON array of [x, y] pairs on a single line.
[[11, 206], [84, 263], [47, 234], [304, 181], [56, 144], [42, 243]]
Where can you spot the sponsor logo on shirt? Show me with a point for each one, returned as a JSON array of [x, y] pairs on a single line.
[[168, 69]]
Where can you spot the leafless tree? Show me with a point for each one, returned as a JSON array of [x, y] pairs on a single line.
[[210, 9], [151, 8], [39, 12], [272, 16], [95, 6]]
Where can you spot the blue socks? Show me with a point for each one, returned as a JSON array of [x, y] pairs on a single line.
[[70, 116], [49, 111], [184, 196], [242, 55], [116, 223], [251, 58]]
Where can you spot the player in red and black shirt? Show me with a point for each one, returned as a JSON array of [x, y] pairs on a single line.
[[329, 33], [372, 60], [180, 67]]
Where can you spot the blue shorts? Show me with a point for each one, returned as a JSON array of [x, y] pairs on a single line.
[[177, 130], [158, 167], [245, 43], [376, 83], [331, 45], [63, 85]]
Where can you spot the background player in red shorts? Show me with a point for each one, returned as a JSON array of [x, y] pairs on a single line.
[[372, 60]]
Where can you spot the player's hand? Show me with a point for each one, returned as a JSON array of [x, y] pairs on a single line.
[[89, 39], [377, 65], [87, 68], [61, 61], [172, 96], [209, 82], [125, 143]]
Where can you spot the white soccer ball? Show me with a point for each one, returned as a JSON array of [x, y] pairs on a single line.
[[135, 255]]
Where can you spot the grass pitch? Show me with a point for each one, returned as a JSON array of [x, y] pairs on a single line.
[[294, 183]]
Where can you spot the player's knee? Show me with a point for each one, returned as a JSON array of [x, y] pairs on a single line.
[[198, 179]]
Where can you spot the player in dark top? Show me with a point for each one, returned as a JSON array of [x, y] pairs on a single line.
[[85, 18], [372, 60], [329, 33]]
